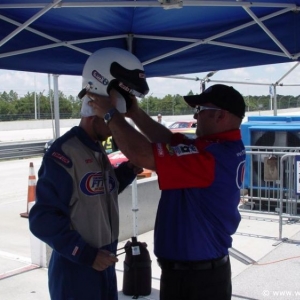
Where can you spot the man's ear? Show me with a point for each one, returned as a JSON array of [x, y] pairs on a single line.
[[221, 115]]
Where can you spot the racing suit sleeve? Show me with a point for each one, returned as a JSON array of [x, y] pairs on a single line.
[[125, 176], [49, 218]]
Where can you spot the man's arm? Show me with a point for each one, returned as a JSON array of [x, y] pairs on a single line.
[[153, 130], [134, 145], [49, 218], [126, 172]]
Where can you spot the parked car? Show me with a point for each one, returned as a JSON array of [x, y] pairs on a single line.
[[183, 125], [117, 157], [189, 132]]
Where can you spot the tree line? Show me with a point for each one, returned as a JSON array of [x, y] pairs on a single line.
[[39, 106]]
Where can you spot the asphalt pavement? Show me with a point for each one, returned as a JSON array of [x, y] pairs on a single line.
[[272, 273]]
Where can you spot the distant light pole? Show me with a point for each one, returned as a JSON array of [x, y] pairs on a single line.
[[173, 105], [35, 111], [148, 103], [271, 93], [290, 101], [202, 81], [39, 104], [248, 100], [206, 79], [279, 102], [259, 104]]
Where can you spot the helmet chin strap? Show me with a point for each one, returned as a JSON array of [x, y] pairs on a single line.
[[86, 110], [120, 102], [83, 92]]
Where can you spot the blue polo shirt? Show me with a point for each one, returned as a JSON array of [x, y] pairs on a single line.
[[200, 181]]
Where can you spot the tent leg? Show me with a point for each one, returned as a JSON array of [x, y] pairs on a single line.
[[241, 256], [56, 105], [134, 208]]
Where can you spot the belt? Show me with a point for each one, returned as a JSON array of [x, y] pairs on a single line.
[[192, 265]]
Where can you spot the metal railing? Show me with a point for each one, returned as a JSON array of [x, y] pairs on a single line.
[[21, 149], [270, 184], [269, 188], [290, 197]]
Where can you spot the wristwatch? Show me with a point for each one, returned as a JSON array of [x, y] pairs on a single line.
[[108, 116]]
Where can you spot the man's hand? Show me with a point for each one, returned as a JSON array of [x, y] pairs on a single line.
[[136, 169], [134, 107], [100, 104], [103, 260]]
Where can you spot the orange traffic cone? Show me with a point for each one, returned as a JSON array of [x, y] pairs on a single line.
[[31, 189]]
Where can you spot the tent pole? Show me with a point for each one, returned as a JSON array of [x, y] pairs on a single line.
[[134, 183], [51, 105], [275, 101], [56, 105], [129, 42]]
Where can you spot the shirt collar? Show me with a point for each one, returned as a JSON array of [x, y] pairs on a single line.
[[232, 135]]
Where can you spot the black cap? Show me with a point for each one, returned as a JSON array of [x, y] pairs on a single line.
[[223, 96]]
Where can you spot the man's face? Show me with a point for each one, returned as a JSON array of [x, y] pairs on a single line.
[[100, 129], [206, 119]]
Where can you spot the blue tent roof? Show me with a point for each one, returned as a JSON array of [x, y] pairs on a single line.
[[55, 36]]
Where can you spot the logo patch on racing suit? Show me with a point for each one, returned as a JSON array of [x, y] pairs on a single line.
[[183, 149], [61, 158], [170, 149], [240, 174], [93, 183], [160, 150]]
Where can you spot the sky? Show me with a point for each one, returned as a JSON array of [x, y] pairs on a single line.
[[252, 79]]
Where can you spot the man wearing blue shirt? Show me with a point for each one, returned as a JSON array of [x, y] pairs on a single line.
[[200, 181]]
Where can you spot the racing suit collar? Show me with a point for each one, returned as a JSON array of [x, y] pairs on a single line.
[[85, 139]]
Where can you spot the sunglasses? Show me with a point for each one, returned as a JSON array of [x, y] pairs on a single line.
[[200, 108]]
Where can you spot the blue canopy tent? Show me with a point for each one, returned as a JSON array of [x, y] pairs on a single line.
[[168, 36]]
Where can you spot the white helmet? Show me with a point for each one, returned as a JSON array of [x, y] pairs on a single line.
[[114, 68]]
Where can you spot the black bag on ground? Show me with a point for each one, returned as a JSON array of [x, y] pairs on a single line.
[[137, 269]]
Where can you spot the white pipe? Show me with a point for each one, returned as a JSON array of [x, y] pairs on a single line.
[[56, 105]]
